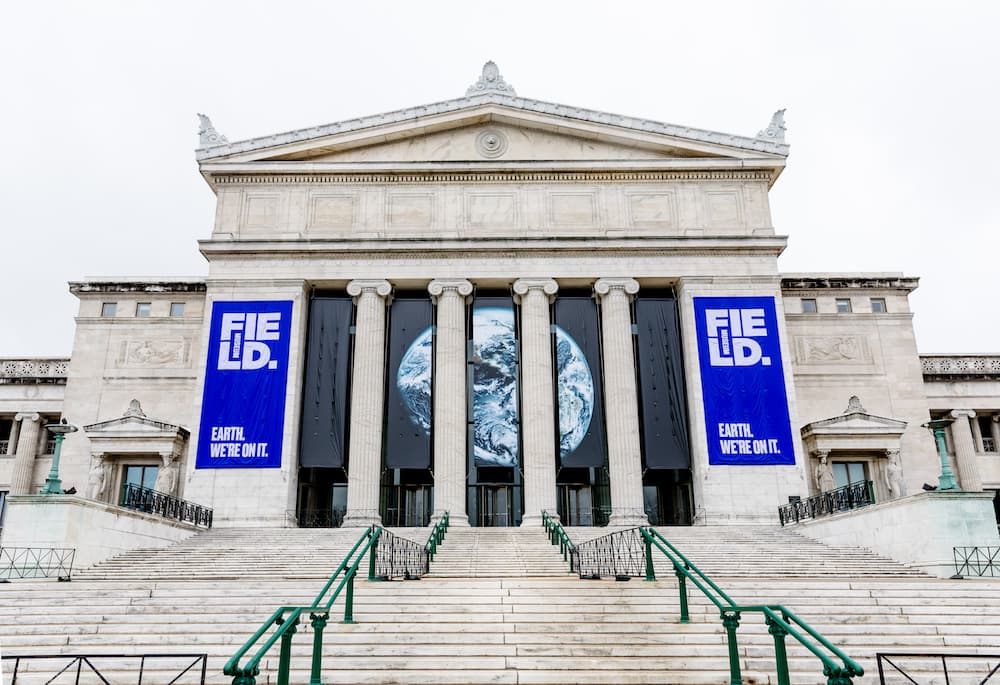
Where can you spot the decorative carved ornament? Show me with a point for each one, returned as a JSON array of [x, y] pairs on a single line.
[[207, 135], [490, 81]]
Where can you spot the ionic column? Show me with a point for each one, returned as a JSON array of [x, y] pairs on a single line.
[[965, 450], [27, 449], [15, 428], [450, 407], [367, 403], [538, 417], [995, 432], [621, 406]]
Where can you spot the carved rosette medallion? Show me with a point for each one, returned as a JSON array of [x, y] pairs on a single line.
[[491, 143]]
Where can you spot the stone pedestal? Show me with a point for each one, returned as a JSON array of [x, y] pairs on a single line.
[[621, 405], [538, 420], [24, 457], [965, 450], [450, 404], [367, 403]]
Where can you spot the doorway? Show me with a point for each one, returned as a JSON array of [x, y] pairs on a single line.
[[496, 506]]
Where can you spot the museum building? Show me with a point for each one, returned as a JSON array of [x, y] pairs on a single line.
[[496, 306]]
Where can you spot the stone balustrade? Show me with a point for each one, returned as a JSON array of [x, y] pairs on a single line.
[[954, 366]]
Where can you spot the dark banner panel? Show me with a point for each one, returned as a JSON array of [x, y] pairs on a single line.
[[243, 408], [494, 382], [578, 382], [742, 381], [661, 384], [408, 410], [323, 441]]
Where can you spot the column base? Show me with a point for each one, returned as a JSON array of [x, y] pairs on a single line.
[[454, 520], [361, 519], [628, 518], [535, 519]]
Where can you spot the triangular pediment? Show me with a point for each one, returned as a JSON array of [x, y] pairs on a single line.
[[854, 421], [492, 130], [134, 422]]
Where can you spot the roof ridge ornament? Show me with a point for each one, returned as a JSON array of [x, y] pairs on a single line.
[[207, 135], [134, 409], [854, 406], [775, 131], [490, 81]]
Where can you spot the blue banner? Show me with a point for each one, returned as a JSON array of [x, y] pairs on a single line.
[[243, 408], [742, 382]]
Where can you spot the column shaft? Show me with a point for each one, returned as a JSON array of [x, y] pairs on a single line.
[[965, 450], [538, 418], [367, 403], [450, 420], [995, 432], [24, 458], [15, 429], [621, 405]]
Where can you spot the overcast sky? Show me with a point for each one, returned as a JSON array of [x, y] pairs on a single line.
[[892, 119]]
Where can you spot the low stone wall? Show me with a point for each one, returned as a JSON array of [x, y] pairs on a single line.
[[96, 530], [920, 530]]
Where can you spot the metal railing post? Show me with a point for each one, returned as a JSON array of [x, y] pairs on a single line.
[[285, 655], [731, 621], [650, 574], [349, 601], [682, 593], [780, 654], [371, 560], [318, 624]]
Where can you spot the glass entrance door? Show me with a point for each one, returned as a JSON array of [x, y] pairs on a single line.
[[576, 506], [496, 506]]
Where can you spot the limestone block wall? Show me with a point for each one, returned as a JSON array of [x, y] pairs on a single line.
[[873, 355], [120, 357]]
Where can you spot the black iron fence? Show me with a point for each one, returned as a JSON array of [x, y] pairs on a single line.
[[121, 669], [36, 562], [900, 667], [397, 557], [853, 496], [318, 518], [977, 561], [150, 501], [622, 553]]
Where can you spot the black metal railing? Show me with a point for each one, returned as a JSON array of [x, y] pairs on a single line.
[[150, 501], [397, 557], [988, 665], [977, 561], [172, 669], [406, 518], [36, 562], [622, 553], [853, 496], [319, 518]]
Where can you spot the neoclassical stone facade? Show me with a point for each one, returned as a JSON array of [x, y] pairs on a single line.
[[579, 227]]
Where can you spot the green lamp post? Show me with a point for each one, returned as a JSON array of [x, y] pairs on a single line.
[[946, 481], [53, 485]]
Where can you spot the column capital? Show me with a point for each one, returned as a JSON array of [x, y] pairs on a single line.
[[28, 416], [959, 413], [381, 288], [604, 286], [820, 454], [523, 285], [439, 286]]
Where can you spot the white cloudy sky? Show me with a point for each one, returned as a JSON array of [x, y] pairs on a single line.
[[892, 117]]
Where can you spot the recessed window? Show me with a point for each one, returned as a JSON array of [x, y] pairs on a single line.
[[843, 305], [849, 472], [109, 308], [176, 309], [878, 305], [143, 308], [809, 306]]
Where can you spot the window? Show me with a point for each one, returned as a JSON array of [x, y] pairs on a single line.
[[140, 475], [843, 305], [809, 305], [176, 309], [109, 308], [143, 308], [847, 472], [878, 305]]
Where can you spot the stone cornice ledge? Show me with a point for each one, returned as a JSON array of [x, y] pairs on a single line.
[[858, 281]]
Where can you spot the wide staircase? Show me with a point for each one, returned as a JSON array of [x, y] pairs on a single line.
[[497, 607]]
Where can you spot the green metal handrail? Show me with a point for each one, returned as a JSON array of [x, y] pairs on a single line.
[[778, 618], [286, 619], [557, 536], [436, 537]]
